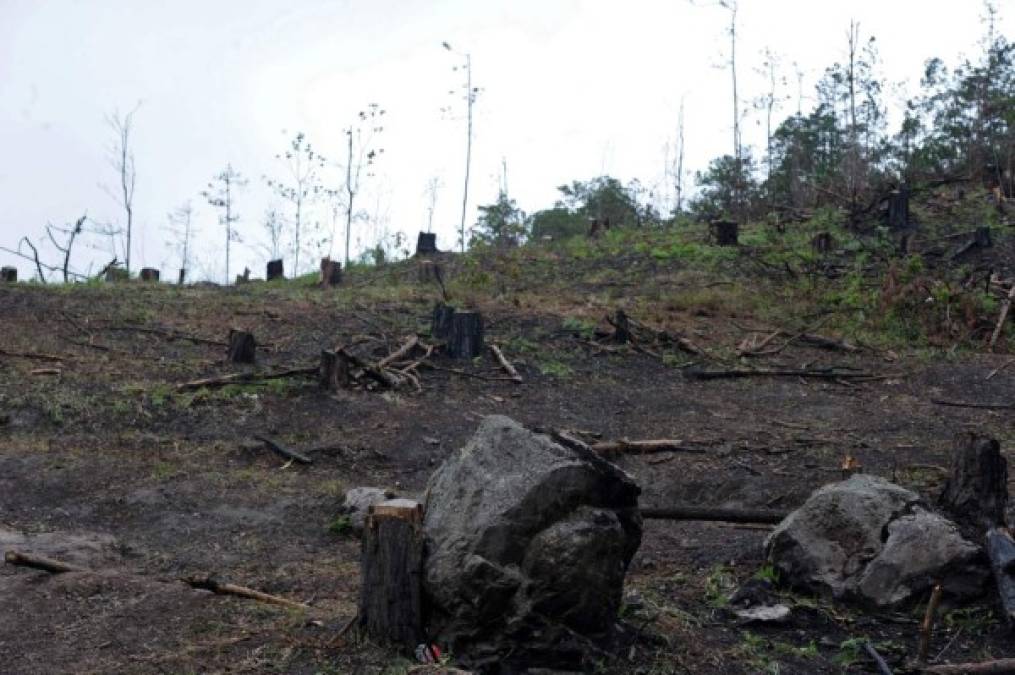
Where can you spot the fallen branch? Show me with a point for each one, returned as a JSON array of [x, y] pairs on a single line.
[[285, 452], [45, 371], [378, 374], [1005, 307], [965, 404], [401, 352], [927, 627], [169, 335], [876, 658], [235, 378], [995, 667], [505, 364], [999, 369], [818, 374], [32, 355], [704, 513], [625, 446], [40, 563]]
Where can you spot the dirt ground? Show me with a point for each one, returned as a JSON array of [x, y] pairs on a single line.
[[105, 464]]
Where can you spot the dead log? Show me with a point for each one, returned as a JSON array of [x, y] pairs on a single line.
[[971, 404], [219, 588], [275, 270], [724, 232], [705, 513], [236, 378], [465, 339], [995, 667], [1005, 308], [8, 275], [242, 346], [284, 452], [399, 353], [976, 493], [625, 446], [426, 243], [40, 563], [38, 356], [1001, 552], [379, 375], [440, 326], [331, 272], [391, 568], [149, 274], [334, 371], [505, 364]]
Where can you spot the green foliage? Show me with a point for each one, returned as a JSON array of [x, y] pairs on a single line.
[[579, 327], [500, 224], [342, 526], [557, 369], [557, 223], [767, 572], [719, 584]]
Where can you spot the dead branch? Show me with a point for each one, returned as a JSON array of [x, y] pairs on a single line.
[[1005, 307], [40, 563], [505, 364], [170, 335], [832, 374], [32, 355], [286, 453], [400, 353], [625, 446], [234, 378], [705, 513], [965, 404], [994, 667], [219, 588], [380, 375], [927, 627], [999, 369]]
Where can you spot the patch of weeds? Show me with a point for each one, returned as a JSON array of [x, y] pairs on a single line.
[[755, 651], [342, 526], [159, 395], [851, 651], [557, 369], [719, 584], [971, 620], [522, 345], [767, 572], [162, 470], [579, 327]]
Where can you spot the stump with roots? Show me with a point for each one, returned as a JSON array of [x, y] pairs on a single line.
[[391, 573], [9, 275], [275, 270], [334, 372], [242, 346], [331, 272], [426, 243], [149, 274], [725, 232]]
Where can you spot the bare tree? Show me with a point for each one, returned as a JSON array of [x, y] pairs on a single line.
[[274, 225], [360, 155], [121, 158], [675, 170], [471, 93], [303, 185], [182, 228], [220, 194], [433, 186], [71, 234]]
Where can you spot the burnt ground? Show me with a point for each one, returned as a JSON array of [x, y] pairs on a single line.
[[103, 463]]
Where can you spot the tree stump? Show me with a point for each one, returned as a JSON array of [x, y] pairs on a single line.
[[149, 274], [621, 327], [115, 273], [822, 243], [275, 270], [976, 493], [334, 374], [440, 327], [982, 237], [725, 232], [898, 209], [331, 272], [465, 339], [243, 278], [426, 243], [242, 346], [183, 276], [391, 571], [9, 275]]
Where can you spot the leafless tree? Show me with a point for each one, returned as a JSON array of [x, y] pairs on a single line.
[[182, 228], [360, 156], [71, 234], [220, 193], [471, 93], [433, 186], [121, 157], [274, 225], [303, 185]]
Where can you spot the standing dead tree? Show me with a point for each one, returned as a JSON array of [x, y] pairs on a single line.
[[360, 154], [303, 186], [182, 229], [220, 194], [71, 233], [121, 158]]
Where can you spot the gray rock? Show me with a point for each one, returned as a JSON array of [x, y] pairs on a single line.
[[871, 540], [527, 544], [357, 502]]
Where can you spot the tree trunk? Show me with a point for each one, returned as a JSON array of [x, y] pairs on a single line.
[[976, 493], [725, 232], [465, 340], [334, 374], [331, 272], [426, 243], [275, 270], [9, 275], [183, 276], [898, 209], [242, 347], [149, 274], [391, 570], [440, 327]]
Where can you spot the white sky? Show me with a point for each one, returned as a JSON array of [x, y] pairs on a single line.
[[571, 89]]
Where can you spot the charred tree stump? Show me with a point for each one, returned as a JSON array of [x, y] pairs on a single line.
[[426, 243], [440, 327], [465, 339], [822, 243], [182, 277], [9, 275], [334, 373], [116, 273], [275, 270], [898, 209], [242, 346], [391, 570], [149, 274], [976, 492], [621, 327], [331, 272], [725, 232], [1001, 551]]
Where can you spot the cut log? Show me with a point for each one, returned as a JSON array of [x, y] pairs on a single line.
[[465, 340], [976, 493], [8, 275], [242, 346], [149, 274], [426, 243], [275, 270], [1001, 551], [1003, 316], [725, 232], [331, 272], [284, 452], [440, 327], [704, 513], [505, 364], [391, 568], [220, 588], [334, 374]]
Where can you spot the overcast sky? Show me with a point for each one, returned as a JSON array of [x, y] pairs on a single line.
[[570, 89]]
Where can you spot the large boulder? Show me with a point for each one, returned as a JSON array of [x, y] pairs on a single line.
[[527, 545], [870, 540]]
